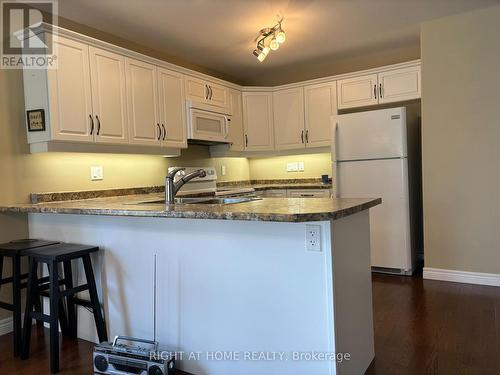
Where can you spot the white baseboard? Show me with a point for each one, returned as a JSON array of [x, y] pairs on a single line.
[[479, 278], [6, 326]]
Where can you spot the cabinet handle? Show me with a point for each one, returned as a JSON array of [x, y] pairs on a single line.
[[98, 124], [302, 136], [246, 140], [164, 132], [159, 132], [206, 92], [307, 136], [210, 91], [375, 91], [380, 90], [91, 124]]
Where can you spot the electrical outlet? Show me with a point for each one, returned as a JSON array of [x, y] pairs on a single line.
[[292, 167], [301, 166], [96, 173], [223, 170], [313, 238]]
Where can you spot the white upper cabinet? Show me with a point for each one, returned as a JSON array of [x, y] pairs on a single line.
[[69, 93], [385, 87], [109, 96], [288, 106], [199, 90], [172, 115], [258, 121], [358, 92], [320, 105], [236, 133], [400, 84], [144, 125]]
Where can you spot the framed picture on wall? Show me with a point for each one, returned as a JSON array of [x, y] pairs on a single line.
[[36, 120]]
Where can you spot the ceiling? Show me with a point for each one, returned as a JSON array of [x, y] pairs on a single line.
[[219, 34]]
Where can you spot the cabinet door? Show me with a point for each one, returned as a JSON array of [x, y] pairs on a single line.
[[196, 89], [171, 109], [320, 105], [288, 106], [273, 193], [400, 84], [218, 95], [144, 127], [69, 93], [236, 124], [308, 193], [258, 121], [109, 96], [358, 91]]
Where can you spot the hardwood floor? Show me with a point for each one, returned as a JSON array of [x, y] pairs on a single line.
[[421, 327]]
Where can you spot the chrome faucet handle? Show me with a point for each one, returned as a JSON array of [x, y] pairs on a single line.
[[174, 171]]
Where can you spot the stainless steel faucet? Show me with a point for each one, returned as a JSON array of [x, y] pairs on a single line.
[[171, 187]]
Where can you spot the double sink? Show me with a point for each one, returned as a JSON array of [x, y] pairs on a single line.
[[203, 200]]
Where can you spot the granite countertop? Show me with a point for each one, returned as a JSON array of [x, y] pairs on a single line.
[[267, 209]]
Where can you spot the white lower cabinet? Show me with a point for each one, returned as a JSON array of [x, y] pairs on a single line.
[[295, 193], [308, 193], [274, 193]]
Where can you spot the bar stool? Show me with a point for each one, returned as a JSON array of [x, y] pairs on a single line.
[[15, 250], [53, 256]]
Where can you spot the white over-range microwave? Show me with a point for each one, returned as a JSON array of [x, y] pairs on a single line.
[[207, 124]]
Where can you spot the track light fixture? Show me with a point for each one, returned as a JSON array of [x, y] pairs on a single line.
[[268, 39]]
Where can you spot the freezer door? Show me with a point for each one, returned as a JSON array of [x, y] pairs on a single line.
[[370, 135], [390, 221]]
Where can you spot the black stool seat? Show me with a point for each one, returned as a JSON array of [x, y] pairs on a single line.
[[60, 252], [16, 247], [53, 256], [15, 250]]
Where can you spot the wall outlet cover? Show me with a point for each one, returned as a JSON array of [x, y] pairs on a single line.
[[313, 237], [292, 167], [301, 166], [96, 173], [223, 170]]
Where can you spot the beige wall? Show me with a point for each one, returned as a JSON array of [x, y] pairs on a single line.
[[275, 167], [461, 134]]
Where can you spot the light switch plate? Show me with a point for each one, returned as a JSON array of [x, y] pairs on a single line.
[[301, 166], [96, 173], [292, 167]]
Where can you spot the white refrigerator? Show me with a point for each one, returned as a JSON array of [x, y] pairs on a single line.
[[371, 158]]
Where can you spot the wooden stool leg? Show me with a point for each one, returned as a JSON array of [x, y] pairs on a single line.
[[30, 297], [94, 299], [68, 283], [16, 301], [54, 316]]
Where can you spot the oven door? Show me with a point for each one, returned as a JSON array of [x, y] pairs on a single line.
[[208, 126]]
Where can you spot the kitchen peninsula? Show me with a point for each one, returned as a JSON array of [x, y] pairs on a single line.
[[273, 275]]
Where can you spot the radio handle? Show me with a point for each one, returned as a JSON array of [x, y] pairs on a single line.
[[128, 338]]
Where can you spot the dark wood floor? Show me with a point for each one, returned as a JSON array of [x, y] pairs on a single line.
[[421, 327]]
